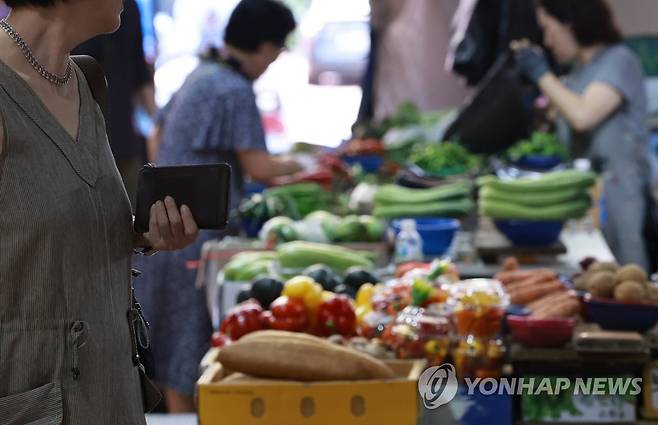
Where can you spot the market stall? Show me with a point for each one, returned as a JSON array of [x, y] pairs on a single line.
[[415, 254]]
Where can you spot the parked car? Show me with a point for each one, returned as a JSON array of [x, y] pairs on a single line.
[[339, 53]]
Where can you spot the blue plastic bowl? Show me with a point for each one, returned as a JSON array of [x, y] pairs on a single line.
[[369, 163], [530, 233], [538, 162], [437, 233], [251, 228], [620, 316]]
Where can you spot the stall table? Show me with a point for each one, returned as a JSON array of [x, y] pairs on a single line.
[[578, 241]]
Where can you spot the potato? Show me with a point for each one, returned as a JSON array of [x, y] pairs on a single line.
[[630, 291], [603, 267], [652, 293], [633, 273], [580, 282], [602, 284]]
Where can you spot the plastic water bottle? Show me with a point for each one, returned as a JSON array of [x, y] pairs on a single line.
[[408, 243]]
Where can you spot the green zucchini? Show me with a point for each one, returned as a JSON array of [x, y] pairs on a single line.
[[559, 180], [300, 255], [506, 210], [532, 199], [393, 194], [452, 208]]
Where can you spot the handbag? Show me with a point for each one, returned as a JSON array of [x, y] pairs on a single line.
[[151, 396]]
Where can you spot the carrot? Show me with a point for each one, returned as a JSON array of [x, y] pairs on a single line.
[[548, 300], [532, 276], [536, 279], [532, 293], [507, 277]]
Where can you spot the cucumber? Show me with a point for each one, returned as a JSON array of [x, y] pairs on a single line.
[[300, 255], [532, 199], [505, 210], [452, 208], [393, 194], [559, 180], [247, 265]]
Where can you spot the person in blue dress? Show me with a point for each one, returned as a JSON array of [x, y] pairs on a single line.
[[602, 109], [213, 118]]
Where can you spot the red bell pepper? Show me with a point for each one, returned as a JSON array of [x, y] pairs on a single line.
[[243, 319], [220, 340], [287, 314], [405, 268], [336, 316]]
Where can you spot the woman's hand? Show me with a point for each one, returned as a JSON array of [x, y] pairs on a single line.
[[530, 60], [170, 229]]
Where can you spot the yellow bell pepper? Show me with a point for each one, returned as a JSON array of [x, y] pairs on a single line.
[[297, 287], [364, 295], [361, 312], [313, 297], [327, 295]]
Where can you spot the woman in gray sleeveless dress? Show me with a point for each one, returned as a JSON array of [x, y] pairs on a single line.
[[66, 236]]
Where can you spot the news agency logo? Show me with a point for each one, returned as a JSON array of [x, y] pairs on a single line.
[[438, 385]]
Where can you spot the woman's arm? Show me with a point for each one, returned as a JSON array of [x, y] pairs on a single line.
[[261, 166], [583, 112]]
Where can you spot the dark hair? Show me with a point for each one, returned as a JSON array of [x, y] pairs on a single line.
[[20, 3], [254, 22], [590, 20]]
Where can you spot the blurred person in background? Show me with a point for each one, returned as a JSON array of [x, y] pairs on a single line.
[[4, 9], [412, 40], [212, 118], [130, 82], [602, 108]]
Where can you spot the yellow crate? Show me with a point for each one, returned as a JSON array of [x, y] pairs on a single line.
[[230, 399]]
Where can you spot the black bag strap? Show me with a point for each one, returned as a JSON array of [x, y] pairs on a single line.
[[97, 82]]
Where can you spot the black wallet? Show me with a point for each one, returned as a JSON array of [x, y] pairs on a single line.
[[204, 189]]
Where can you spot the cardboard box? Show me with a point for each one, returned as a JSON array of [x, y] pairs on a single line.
[[231, 399]]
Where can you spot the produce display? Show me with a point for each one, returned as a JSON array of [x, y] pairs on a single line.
[[312, 309], [295, 201], [406, 115], [300, 255], [628, 283], [540, 291], [478, 313], [249, 265], [540, 144], [306, 197], [362, 146], [292, 356], [322, 226], [292, 258], [444, 159], [557, 196], [450, 200]]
